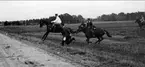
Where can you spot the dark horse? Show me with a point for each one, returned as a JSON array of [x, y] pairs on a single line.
[[141, 24], [65, 31], [98, 33], [49, 25]]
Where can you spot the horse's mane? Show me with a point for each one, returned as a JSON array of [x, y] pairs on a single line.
[[137, 20], [51, 18]]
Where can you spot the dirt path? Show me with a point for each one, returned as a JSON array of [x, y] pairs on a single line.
[[17, 54]]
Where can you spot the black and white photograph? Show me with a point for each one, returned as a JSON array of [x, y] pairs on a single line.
[[72, 33]]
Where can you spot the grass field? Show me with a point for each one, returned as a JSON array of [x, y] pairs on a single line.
[[125, 49]]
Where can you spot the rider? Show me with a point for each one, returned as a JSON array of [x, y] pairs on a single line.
[[142, 19], [90, 25], [57, 21]]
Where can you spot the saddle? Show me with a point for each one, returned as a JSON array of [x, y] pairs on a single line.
[[92, 27], [56, 27]]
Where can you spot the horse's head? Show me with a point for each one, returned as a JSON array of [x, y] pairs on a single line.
[[72, 31], [41, 23], [137, 21], [81, 27]]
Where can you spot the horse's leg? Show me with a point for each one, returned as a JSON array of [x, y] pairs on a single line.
[[98, 41], [46, 34], [70, 40], [88, 40], [101, 38], [67, 40], [63, 41]]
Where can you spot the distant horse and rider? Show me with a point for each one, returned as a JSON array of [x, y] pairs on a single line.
[[55, 25], [140, 21], [92, 31]]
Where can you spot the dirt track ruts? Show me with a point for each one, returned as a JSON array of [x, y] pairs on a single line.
[[17, 54]]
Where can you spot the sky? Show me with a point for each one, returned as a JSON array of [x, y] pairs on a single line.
[[22, 10]]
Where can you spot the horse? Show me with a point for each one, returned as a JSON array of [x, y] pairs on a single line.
[[65, 31], [67, 38], [49, 26], [141, 24], [98, 33]]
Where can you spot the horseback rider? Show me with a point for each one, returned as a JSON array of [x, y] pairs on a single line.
[[90, 25], [56, 22], [142, 19]]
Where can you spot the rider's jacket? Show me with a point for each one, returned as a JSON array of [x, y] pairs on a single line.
[[57, 20], [89, 24]]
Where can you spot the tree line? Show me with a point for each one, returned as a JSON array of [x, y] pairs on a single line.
[[120, 16], [66, 18], [21, 22]]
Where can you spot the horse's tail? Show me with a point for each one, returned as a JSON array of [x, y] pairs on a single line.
[[107, 33]]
